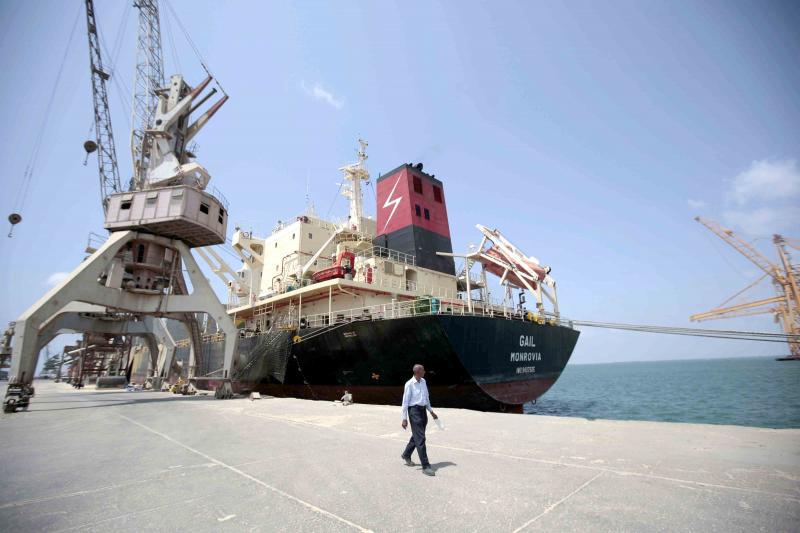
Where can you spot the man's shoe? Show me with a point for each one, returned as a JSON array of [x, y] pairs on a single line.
[[408, 460], [428, 471]]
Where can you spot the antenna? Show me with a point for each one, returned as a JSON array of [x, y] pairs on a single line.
[[310, 209]]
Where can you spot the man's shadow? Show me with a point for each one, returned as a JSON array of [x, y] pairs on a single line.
[[443, 464]]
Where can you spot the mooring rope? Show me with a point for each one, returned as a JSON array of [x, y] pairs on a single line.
[[693, 332]]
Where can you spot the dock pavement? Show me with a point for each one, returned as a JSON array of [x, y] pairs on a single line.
[[100, 460]]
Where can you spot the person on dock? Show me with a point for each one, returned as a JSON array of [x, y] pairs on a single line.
[[416, 403]]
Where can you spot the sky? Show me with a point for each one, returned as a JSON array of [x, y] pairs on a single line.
[[589, 133]]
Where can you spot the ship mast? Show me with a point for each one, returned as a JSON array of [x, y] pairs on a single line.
[[355, 174]]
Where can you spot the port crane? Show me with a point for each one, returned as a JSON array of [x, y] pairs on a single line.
[[140, 272], [785, 277]]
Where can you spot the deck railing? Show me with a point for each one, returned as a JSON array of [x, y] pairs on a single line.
[[388, 253], [428, 306]]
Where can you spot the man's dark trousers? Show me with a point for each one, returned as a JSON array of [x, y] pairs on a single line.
[[418, 418]]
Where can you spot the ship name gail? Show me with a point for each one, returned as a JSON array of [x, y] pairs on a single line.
[[527, 340]]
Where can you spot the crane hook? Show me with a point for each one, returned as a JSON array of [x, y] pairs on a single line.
[[14, 218], [90, 146]]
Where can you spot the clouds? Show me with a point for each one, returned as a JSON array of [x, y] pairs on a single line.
[[55, 278], [763, 220], [766, 180], [696, 204], [320, 93], [764, 198]]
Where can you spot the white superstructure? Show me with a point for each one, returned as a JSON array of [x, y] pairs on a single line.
[[314, 272]]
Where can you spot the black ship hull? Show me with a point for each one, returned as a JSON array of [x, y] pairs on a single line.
[[472, 362]]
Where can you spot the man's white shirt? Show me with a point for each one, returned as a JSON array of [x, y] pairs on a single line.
[[415, 393]]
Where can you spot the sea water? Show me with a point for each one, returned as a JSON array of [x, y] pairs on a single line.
[[754, 391]]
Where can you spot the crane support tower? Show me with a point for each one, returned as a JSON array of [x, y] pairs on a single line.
[[785, 277], [140, 270], [148, 80]]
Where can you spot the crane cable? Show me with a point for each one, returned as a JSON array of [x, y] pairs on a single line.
[[693, 332], [173, 48], [194, 46], [30, 169], [113, 56]]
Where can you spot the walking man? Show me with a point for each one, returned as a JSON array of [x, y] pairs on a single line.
[[416, 403]]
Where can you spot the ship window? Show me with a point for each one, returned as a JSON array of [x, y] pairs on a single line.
[[140, 254], [310, 236], [427, 214], [417, 185], [221, 215], [150, 200], [204, 208], [293, 236], [417, 210], [125, 205], [437, 194], [276, 244]]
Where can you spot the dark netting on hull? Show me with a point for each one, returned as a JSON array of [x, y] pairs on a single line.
[[177, 329], [264, 356], [182, 360], [213, 359]]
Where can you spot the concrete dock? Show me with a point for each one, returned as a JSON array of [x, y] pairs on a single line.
[[145, 461]]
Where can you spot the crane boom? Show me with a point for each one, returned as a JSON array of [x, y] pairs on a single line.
[[785, 306], [733, 310], [106, 152], [743, 248]]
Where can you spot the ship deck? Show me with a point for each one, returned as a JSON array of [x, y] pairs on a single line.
[[100, 460]]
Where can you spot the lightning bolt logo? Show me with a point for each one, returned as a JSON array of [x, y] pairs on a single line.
[[394, 202]]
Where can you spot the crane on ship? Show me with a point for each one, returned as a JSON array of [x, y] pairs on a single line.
[[785, 278]]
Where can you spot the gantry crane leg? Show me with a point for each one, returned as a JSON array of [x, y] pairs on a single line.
[[83, 285]]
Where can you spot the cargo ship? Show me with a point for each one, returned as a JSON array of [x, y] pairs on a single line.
[[324, 307]]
